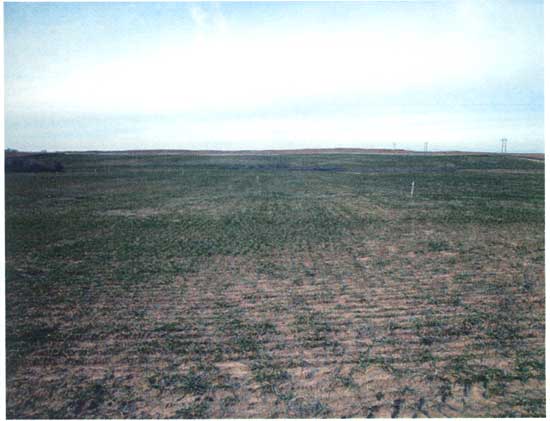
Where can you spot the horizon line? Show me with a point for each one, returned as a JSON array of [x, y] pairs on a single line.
[[274, 150]]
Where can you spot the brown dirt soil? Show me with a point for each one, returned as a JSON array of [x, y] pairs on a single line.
[[352, 342]]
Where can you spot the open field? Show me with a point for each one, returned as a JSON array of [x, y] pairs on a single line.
[[276, 286]]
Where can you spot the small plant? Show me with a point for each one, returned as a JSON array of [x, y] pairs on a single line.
[[194, 383], [300, 408], [193, 410], [440, 245]]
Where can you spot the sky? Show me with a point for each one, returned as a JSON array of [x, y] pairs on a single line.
[[274, 75]]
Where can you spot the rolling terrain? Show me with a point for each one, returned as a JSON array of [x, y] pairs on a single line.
[[276, 285]]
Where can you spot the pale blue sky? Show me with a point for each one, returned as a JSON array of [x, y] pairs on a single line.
[[459, 75]]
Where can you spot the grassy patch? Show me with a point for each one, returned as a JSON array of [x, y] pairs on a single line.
[[237, 286]]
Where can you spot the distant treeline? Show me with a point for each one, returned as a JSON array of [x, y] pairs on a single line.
[[25, 164]]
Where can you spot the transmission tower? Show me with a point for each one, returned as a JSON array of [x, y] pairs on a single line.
[[503, 145], [425, 147]]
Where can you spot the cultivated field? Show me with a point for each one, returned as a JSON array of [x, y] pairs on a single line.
[[276, 286]]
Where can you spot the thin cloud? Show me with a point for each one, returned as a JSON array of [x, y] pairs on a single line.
[[350, 72]]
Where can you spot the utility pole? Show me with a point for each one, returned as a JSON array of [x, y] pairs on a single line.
[[394, 146], [503, 145], [425, 147]]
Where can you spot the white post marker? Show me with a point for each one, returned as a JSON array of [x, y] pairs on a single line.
[[412, 189]]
